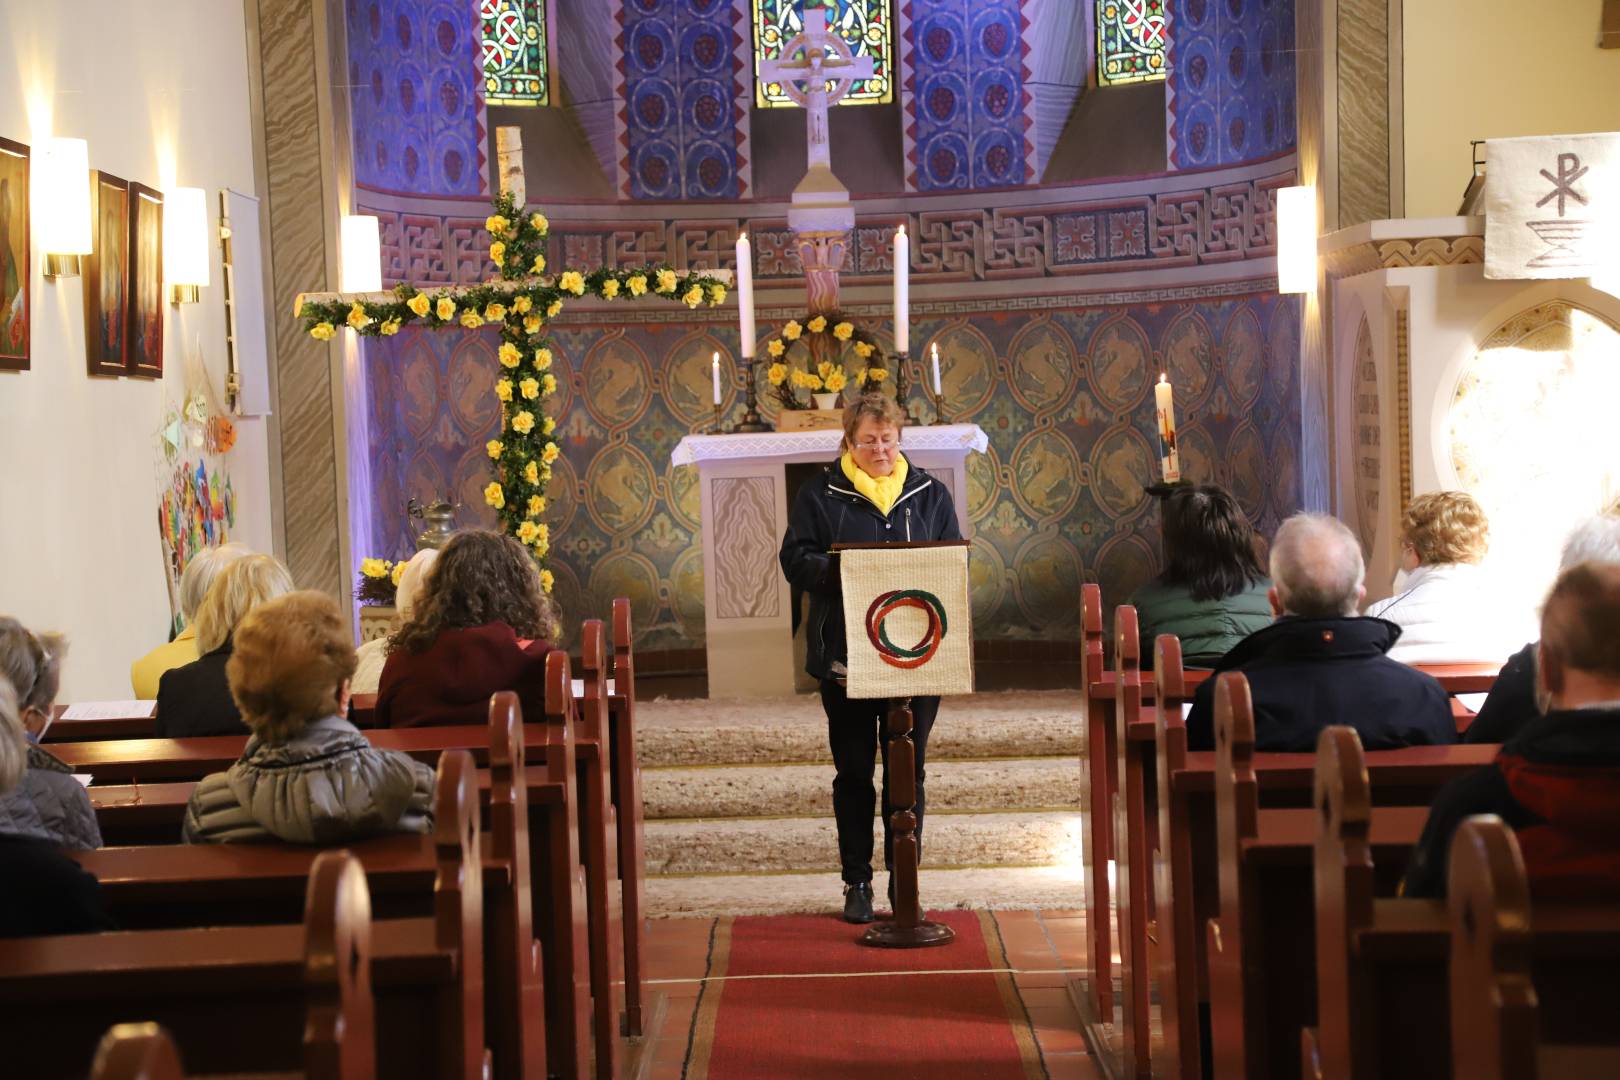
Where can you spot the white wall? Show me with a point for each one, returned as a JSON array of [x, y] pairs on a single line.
[[159, 88]]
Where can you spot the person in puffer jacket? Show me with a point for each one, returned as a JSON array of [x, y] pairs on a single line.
[[1557, 782], [47, 802], [307, 776]]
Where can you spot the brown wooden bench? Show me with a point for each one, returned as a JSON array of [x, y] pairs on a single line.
[[643, 1014], [1386, 968], [284, 998], [145, 1052]]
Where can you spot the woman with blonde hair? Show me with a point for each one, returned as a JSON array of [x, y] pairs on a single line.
[[307, 776], [1444, 605], [196, 699], [199, 575], [45, 801]]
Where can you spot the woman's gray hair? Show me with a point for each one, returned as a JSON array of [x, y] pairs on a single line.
[[32, 663], [1597, 539], [13, 743], [1316, 567], [200, 573]]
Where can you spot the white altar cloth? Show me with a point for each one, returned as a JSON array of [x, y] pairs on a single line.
[[818, 445]]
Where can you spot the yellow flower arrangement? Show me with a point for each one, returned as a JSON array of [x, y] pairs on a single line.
[[806, 381], [529, 388], [834, 382], [389, 327], [610, 288], [694, 296], [542, 359], [510, 355], [521, 304], [531, 472], [471, 320], [494, 496], [374, 568], [776, 347], [323, 331], [538, 266], [637, 283], [844, 331], [358, 317], [445, 308], [777, 374], [553, 308], [419, 305], [503, 389], [539, 222], [494, 447], [549, 454], [572, 281], [397, 572], [546, 580], [717, 294], [523, 422], [497, 253], [817, 324], [495, 312], [532, 324], [495, 225], [666, 281]]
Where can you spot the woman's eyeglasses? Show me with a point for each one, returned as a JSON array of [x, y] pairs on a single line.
[[870, 445]]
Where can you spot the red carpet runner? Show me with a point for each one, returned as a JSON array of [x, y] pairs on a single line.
[[956, 1014]]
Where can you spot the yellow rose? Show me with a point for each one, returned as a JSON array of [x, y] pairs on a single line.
[[445, 309], [397, 572], [863, 349], [323, 331], [717, 294], [531, 473], [419, 304], [826, 368], [495, 225], [541, 546], [503, 389], [522, 304], [552, 309], [546, 580], [843, 331], [572, 281], [545, 531], [817, 324], [834, 382], [542, 359], [529, 388], [549, 383], [549, 454], [527, 532], [374, 568], [777, 374], [792, 330], [523, 422], [539, 222], [694, 296], [545, 474], [610, 288], [497, 253], [548, 426], [538, 266], [532, 324], [666, 281], [389, 328], [776, 347], [471, 320], [494, 496], [876, 374], [510, 355], [494, 446], [495, 312], [358, 317], [638, 284], [537, 505]]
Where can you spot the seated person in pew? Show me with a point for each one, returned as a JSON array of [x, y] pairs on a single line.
[[46, 801], [196, 699], [1511, 704], [44, 891], [482, 624], [307, 776], [1212, 591], [199, 575], [374, 653], [1444, 603], [1556, 783], [1319, 663]]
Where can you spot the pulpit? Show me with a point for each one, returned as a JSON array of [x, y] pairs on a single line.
[[744, 481]]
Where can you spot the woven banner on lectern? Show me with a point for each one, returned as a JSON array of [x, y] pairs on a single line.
[[908, 621]]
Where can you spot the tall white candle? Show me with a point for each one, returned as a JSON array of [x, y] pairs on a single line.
[[745, 294], [717, 378], [1169, 460], [938, 387], [902, 291]]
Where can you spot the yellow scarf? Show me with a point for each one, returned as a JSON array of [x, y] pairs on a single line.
[[882, 491]]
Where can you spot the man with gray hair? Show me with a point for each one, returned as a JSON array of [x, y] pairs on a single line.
[[1319, 663]]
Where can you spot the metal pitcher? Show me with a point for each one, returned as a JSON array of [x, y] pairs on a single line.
[[438, 520]]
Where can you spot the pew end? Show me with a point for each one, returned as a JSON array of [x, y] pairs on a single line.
[[136, 1052], [1494, 1009]]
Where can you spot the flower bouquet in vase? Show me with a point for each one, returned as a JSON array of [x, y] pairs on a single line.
[[827, 339]]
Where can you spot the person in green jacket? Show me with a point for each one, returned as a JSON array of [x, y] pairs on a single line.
[[1212, 591]]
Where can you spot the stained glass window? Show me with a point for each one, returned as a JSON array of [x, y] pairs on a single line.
[[1131, 39], [514, 49], [867, 25]]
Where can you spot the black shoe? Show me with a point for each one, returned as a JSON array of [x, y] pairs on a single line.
[[858, 902]]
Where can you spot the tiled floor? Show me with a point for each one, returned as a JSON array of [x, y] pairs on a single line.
[[1041, 948]]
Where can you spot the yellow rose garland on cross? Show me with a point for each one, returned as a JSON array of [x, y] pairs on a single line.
[[520, 303]]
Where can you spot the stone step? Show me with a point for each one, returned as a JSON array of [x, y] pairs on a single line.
[[756, 845], [1010, 888], [805, 790], [1014, 724]]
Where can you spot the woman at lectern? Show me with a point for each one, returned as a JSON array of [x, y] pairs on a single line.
[[871, 494]]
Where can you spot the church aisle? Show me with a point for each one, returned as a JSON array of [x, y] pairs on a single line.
[[1003, 1006]]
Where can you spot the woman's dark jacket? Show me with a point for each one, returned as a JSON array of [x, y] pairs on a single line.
[[450, 682], [1511, 704], [828, 511], [1207, 629], [195, 699], [46, 892]]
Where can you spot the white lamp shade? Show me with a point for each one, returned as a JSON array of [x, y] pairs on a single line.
[[185, 236], [1296, 240], [61, 192], [362, 254]]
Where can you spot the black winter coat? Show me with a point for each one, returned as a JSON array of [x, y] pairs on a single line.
[[1305, 674], [195, 699], [1511, 704], [828, 511]]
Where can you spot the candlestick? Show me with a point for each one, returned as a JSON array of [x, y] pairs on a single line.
[[938, 389], [745, 294], [1169, 459], [716, 429], [717, 380], [902, 292]]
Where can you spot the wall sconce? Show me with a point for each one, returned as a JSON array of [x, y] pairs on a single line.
[[61, 185], [1296, 239], [360, 245], [185, 243]]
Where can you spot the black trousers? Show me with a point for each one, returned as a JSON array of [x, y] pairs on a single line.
[[853, 730]]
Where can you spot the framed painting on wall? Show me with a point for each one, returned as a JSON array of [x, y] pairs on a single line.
[[15, 308], [106, 277], [145, 281]]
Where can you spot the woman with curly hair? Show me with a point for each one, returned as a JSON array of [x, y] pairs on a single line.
[[481, 624]]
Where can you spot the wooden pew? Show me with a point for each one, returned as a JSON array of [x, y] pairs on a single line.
[[145, 1052], [1385, 967], [599, 841], [240, 1000], [1093, 993], [642, 1016], [1132, 806]]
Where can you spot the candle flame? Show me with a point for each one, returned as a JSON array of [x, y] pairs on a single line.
[[901, 229], [716, 359], [1161, 376], [936, 350], [743, 239]]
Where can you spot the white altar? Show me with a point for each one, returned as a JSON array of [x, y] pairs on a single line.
[[743, 481]]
